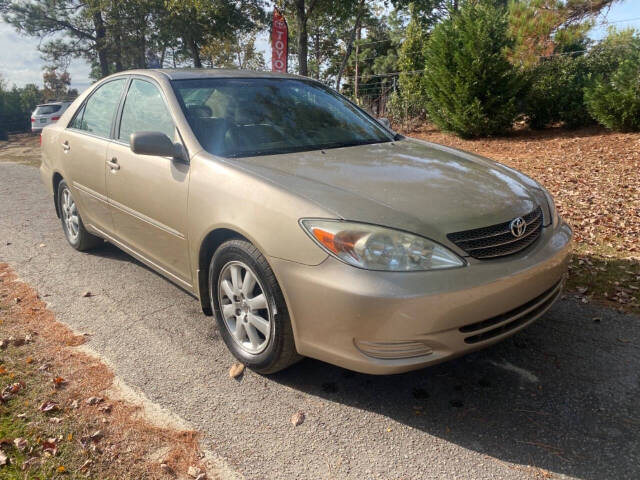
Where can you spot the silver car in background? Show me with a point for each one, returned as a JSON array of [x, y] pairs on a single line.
[[46, 114]]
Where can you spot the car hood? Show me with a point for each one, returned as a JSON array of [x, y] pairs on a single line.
[[409, 184]]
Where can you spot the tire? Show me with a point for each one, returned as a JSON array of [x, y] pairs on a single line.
[[74, 231], [236, 301]]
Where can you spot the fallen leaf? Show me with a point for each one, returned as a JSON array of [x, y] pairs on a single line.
[[20, 443], [55, 419], [93, 400], [105, 408], [29, 463], [85, 465], [236, 370], [61, 469], [4, 460], [193, 472], [48, 406], [11, 389], [50, 447], [58, 382], [297, 418]]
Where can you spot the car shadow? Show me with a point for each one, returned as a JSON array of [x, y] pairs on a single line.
[[561, 395]]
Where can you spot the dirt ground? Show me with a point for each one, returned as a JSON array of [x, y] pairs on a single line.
[[23, 148], [594, 176]]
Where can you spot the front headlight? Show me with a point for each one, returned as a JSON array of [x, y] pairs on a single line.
[[379, 248], [551, 205]]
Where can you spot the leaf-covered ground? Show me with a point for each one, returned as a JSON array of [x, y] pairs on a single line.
[[58, 417], [594, 176]]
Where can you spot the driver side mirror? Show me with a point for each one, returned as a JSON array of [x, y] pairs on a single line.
[[157, 143]]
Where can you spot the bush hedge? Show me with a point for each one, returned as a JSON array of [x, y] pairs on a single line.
[[471, 87], [556, 92]]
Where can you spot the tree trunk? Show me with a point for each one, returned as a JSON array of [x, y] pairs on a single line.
[[195, 52], [301, 23], [316, 42], [162, 55], [352, 38], [142, 45], [101, 48], [116, 31]]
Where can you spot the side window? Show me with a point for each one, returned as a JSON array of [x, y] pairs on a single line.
[[77, 119], [100, 109], [145, 110]]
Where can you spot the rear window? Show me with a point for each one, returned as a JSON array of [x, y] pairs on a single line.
[[47, 109]]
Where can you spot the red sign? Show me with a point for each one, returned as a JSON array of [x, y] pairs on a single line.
[[279, 43]]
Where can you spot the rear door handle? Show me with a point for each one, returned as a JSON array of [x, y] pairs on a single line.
[[65, 146], [113, 164]]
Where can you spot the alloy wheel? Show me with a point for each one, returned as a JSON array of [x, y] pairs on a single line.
[[70, 215], [244, 306]]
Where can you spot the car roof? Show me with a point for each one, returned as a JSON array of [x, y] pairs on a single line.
[[200, 73]]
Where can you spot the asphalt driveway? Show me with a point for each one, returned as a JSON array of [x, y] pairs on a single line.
[[562, 398]]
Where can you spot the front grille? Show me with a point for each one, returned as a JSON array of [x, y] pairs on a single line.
[[497, 240], [513, 318]]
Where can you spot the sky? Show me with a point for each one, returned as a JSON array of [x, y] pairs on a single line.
[[20, 61]]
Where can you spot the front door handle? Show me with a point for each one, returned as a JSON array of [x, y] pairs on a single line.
[[113, 164], [65, 146]]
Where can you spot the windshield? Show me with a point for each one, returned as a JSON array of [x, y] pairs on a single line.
[[47, 109], [242, 117]]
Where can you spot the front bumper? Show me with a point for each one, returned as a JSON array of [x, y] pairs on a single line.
[[389, 322]]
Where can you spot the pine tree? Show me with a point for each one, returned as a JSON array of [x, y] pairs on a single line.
[[470, 84], [614, 97]]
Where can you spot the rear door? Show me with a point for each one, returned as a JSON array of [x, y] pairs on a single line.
[[148, 194], [83, 146]]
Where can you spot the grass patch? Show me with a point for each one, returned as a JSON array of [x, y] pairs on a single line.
[[86, 434]]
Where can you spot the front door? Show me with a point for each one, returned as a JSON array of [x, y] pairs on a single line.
[[83, 146], [148, 194]]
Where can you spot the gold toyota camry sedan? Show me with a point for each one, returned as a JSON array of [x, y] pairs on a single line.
[[305, 226]]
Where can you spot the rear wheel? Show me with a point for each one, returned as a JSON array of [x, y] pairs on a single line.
[[250, 309], [74, 230]]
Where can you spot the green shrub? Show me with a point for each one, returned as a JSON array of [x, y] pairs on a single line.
[[556, 92], [471, 87], [615, 102], [613, 97], [408, 103]]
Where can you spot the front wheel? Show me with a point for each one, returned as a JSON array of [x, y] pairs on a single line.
[[74, 230], [250, 309]]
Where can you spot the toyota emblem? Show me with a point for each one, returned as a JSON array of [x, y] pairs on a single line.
[[518, 226]]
